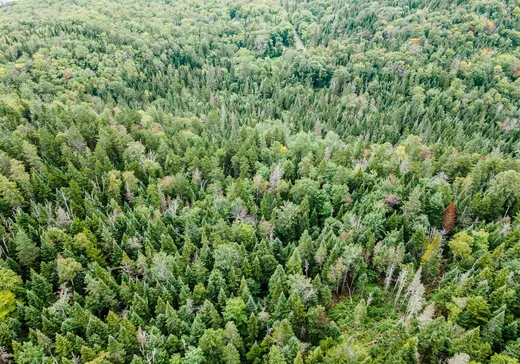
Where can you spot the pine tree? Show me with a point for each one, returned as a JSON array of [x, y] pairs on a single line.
[[212, 345], [40, 291], [197, 329], [231, 355], [27, 251], [430, 261], [304, 218], [276, 355], [294, 264], [252, 330]]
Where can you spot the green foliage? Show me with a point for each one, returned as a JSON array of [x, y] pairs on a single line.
[[7, 305], [67, 268], [477, 312], [434, 341], [287, 182], [502, 359], [26, 250], [461, 245]]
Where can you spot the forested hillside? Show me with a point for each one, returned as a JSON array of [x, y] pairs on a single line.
[[315, 181]]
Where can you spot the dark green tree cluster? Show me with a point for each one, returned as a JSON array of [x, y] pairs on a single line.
[[261, 182]]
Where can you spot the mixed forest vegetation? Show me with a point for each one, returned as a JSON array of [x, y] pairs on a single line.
[[294, 181]]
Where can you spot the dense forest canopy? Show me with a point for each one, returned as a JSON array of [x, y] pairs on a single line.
[[317, 181]]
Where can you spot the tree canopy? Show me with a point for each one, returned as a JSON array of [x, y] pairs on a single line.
[[286, 181]]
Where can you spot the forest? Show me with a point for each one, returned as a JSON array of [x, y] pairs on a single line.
[[272, 181]]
